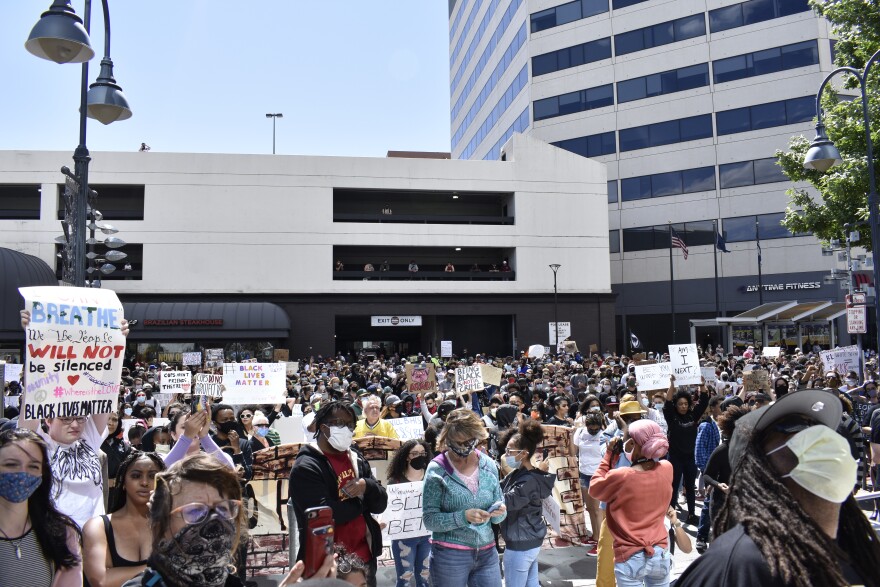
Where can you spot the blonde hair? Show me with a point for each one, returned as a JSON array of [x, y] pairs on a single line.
[[462, 423]]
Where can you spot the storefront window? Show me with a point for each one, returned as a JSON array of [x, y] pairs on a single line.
[[816, 334], [743, 336], [153, 353]]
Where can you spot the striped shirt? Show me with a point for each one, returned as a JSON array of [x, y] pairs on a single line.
[[33, 563]]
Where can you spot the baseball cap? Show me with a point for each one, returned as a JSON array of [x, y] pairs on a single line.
[[391, 400], [611, 400], [815, 404]]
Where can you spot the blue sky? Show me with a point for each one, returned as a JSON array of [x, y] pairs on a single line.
[[352, 77]]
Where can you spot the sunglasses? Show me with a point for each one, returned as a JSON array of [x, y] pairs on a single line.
[[194, 513], [246, 416]]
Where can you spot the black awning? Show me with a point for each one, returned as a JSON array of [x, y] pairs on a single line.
[[206, 321]]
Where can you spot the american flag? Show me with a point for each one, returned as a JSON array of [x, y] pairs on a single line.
[[678, 242]]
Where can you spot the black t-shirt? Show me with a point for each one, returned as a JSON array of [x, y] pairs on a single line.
[[683, 428], [557, 421], [734, 560]]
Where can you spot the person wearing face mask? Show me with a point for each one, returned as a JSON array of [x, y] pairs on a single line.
[[260, 438], [790, 517], [39, 546], [589, 443], [411, 556], [461, 486], [229, 438], [331, 473], [524, 490]]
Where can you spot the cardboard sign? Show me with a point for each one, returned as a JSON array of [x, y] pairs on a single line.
[[408, 428], [254, 383], [403, 516], [552, 513], [281, 355], [756, 380], [291, 368], [771, 351], [290, 429], [653, 376], [841, 360], [639, 357], [570, 346], [175, 381], [73, 352], [214, 358], [208, 385], [446, 348], [685, 363], [191, 358], [420, 377], [469, 379], [708, 374], [594, 348], [491, 375], [12, 372]]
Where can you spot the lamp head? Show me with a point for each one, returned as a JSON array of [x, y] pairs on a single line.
[[822, 155], [105, 101], [60, 36]]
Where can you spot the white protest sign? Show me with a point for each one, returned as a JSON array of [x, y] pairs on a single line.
[[469, 379], [403, 516], [74, 351], [685, 363], [445, 348], [653, 376], [564, 332], [254, 383], [841, 360], [12, 372], [208, 385], [291, 368], [175, 381], [191, 358], [552, 514], [213, 357], [491, 375], [290, 429], [708, 374], [408, 428], [771, 351]]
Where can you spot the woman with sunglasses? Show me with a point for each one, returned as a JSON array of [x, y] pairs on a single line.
[[411, 556], [260, 438], [116, 546], [461, 497], [246, 419]]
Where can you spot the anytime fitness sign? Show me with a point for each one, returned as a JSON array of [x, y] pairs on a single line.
[[395, 320]]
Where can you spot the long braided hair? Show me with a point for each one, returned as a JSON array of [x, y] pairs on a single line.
[[797, 550]]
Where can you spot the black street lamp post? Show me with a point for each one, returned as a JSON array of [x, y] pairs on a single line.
[[555, 267]]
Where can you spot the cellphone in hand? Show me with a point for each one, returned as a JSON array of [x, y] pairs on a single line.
[[494, 506], [544, 454], [319, 538]]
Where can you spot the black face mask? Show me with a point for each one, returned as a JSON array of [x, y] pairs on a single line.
[[419, 463], [227, 427]]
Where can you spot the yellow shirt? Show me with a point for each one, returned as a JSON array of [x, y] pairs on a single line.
[[382, 428]]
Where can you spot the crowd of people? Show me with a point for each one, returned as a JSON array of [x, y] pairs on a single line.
[[83, 502]]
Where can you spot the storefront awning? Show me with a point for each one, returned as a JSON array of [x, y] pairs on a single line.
[[787, 312], [229, 321]]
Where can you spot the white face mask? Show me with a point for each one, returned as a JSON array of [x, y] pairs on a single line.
[[852, 382], [658, 406], [340, 437], [825, 465], [645, 402], [163, 449]]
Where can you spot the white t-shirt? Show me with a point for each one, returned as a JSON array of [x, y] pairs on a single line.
[[78, 487], [591, 449]]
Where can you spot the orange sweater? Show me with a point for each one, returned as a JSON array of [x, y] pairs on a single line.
[[637, 503]]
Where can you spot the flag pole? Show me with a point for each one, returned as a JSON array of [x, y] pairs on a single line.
[[760, 277], [715, 258], [671, 284]]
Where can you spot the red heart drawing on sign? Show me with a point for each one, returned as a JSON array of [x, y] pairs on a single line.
[[73, 379], [185, 386]]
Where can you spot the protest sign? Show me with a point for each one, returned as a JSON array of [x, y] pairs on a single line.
[[639, 357], [290, 429], [403, 516], [408, 428], [491, 375], [771, 351], [653, 376], [214, 358], [12, 372], [74, 351], [175, 381], [254, 383], [594, 348], [685, 363], [570, 346], [191, 358], [841, 360], [420, 377], [446, 348], [281, 355], [708, 374], [208, 385], [536, 351], [291, 368], [756, 380], [552, 513], [468, 379]]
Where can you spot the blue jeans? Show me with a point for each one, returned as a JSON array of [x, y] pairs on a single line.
[[451, 567], [411, 560], [521, 567], [639, 570], [705, 519]]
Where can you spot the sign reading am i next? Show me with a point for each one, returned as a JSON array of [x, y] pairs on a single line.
[[395, 320]]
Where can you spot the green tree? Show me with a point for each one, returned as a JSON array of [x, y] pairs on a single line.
[[844, 188]]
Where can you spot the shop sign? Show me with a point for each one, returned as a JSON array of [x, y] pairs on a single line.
[[395, 320], [781, 286], [184, 322]]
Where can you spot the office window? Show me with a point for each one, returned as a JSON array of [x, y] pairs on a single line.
[[590, 146], [612, 191], [766, 115], [750, 173], [565, 13], [660, 34], [746, 13], [571, 57], [766, 61], [746, 228], [665, 133], [648, 238], [20, 202], [573, 102], [670, 183], [614, 241], [618, 4], [666, 82]]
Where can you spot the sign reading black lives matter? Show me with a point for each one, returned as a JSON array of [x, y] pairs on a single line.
[[685, 363], [74, 351]]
